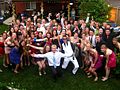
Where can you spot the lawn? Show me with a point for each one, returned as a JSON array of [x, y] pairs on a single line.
[[29, 79]]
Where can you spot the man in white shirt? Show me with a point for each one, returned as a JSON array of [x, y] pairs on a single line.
[[67, 48], [54, 58]]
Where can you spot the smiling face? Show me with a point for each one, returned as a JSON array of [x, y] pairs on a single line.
[[75, 35], [14, 35], [103, 48], [64, 39], [54, 32], [47, 49], [98, 38], [54, 47], [114, 41], [107, 32], [4, 35], [88, 47], [100, 31]]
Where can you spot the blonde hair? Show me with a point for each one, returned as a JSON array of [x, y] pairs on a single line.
[[53, 46]]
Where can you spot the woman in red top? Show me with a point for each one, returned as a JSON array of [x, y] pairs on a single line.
[[110, 60]]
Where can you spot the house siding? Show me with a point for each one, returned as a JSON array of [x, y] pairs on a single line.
[[20, 7]]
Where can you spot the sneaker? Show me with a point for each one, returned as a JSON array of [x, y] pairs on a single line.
[[16, 72], [104, 79]]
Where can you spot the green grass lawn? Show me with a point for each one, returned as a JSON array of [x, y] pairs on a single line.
[[29, 79], [3, 27]]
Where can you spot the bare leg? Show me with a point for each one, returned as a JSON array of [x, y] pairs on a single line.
[[40, 67], [107, 74], [7, 59], [4, 61], [21, 64], [28, 59], [16, 68], [43, 66], [95, 74], [89, 71]]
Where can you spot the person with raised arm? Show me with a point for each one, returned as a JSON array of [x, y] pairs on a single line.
[[54, 59]]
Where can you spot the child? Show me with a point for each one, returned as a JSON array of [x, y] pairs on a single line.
[[110, 60]]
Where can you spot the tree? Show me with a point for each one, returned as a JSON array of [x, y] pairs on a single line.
[[98, 9]]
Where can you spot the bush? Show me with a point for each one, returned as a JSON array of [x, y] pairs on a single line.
[[98, 9], [117, 70]]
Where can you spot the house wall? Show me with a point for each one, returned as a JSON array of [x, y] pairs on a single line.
[[20, 7]]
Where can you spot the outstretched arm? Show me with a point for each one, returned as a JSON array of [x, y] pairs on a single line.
[[39, 40], [35, 47], [38, 55]]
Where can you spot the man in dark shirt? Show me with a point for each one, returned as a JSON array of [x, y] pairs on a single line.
[[99, 42], [107, 37]]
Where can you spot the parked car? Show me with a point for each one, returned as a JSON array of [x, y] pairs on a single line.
[[1, 19]]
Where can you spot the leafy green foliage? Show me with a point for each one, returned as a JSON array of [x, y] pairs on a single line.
[[3, 28], [117, 70], [98, 9]]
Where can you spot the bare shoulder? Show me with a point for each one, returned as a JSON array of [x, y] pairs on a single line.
[[118, 45], [108, 52]]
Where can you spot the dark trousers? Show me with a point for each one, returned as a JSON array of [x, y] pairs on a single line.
[[56, 72]]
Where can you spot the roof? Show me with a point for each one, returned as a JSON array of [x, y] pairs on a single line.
[[114, 3]]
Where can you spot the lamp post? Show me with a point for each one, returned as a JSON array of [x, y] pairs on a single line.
[[68, 10], [42, 9], [70, 3], [13, 11]]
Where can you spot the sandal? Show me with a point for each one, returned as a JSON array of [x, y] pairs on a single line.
[[16, 72], [104, 79], [96, 79], [89, 76]]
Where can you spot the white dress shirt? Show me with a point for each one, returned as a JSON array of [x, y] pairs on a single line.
[[67, 48], [49, 56]]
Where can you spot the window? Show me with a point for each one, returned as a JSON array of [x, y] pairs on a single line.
[[30, 5]]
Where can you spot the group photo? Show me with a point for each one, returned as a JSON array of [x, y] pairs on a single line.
[[60, 45]]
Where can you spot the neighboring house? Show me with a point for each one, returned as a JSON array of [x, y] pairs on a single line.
[[115, 11], [46, 6]]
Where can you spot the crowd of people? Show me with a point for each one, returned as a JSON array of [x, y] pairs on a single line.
[[55, 42]]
